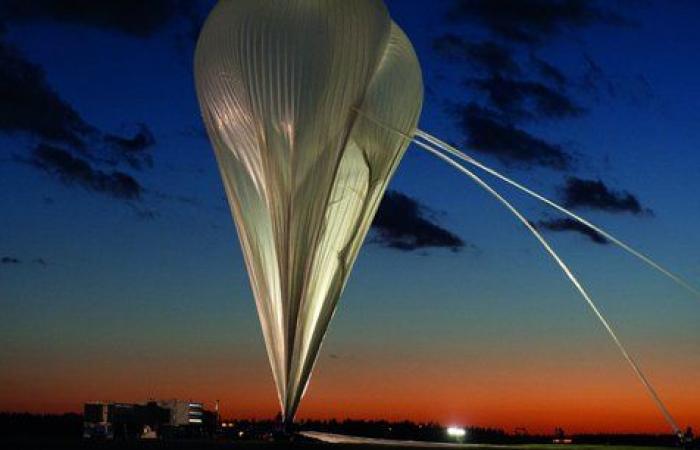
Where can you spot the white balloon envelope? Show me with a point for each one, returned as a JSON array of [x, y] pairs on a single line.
[[280, 84]]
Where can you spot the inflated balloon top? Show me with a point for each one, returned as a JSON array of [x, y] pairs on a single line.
[[281, 84]]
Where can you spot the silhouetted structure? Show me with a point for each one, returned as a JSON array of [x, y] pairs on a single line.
[[689, 438], [166, 418]]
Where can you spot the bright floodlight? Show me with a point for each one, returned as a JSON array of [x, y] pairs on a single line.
[[456, 432]]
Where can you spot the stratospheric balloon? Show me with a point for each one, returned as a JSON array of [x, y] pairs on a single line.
[[286, 89]]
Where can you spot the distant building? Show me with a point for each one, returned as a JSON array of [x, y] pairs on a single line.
[[183, 412], [96, 421], [165, 418]]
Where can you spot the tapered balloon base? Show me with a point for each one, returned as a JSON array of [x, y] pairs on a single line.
[[303, 175], [284, 431], [288, 427]]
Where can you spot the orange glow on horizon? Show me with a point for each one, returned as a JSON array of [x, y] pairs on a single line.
[[537, 398]]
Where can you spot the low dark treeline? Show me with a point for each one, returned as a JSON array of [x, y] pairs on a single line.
[[44, 425], [70, 426]]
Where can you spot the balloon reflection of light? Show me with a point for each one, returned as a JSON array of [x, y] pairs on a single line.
[[278, 83]]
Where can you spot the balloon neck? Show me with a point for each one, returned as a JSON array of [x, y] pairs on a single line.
[[288, 425], [285, 430]]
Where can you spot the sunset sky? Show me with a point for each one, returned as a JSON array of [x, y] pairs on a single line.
[[121, 277]]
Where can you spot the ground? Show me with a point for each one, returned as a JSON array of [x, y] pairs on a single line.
[[43, 444]]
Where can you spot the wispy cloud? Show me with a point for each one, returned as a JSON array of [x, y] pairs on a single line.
[[594, 194], [133, 150], [532, 21], [487, 56], [508, 85], [487, 132], [137, 18], [31, 106], [74, 170], [518, 99], [574, 226], [69, 147], [401, 223]]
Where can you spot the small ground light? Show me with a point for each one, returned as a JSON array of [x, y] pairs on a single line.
[[457, 433]]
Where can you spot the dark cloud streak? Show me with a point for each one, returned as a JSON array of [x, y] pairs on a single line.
[[532, 21], [133, 150], [489, 133], [572, 225], [11, 260], [29, 105], [549, 71], [69, 147], [71, 169], [486, 55], [512, 84], [137, 18], [526, 99], [401, 224], [594, 194]]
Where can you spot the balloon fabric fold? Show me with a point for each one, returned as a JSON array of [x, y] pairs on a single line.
[[280, 83]]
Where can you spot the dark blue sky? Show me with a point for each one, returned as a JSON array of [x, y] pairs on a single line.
[[119, 254]]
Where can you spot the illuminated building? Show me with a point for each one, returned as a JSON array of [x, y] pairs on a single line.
[[172, 418]]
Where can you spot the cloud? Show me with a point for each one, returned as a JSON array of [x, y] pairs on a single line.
[[25, 92], [12, 260], [594, 78], [594, 194], [531, 21], [526, 99], [572, 225], [139, 18], [74, 170], [509, 82], [401, 224], [489, 133], [486, 55], [29, 105], [549, 71], [133, 150], [144, 213], [69, 147]]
